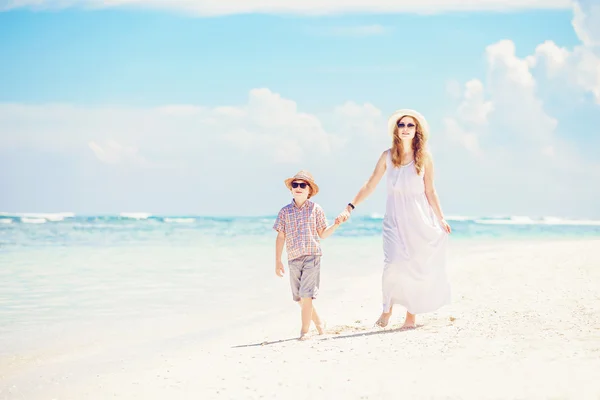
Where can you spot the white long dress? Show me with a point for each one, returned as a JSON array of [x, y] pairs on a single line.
[[414, 245]]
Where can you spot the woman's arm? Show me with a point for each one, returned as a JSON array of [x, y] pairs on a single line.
[[367, 189], [431, 193]]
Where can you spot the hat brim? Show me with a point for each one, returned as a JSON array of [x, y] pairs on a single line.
[[313, 185], [405, 112]]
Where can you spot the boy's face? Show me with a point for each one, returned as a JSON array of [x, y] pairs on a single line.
[[300, 189]]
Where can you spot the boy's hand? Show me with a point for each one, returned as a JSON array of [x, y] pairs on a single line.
[[343, 217], [279, 270], [339, 220]]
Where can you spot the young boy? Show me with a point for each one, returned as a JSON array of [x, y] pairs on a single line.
[[300, 225]]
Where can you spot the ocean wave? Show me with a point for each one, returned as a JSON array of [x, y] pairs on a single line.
[[49, 217], [180, 220], [561, 221], [135, 215], [26, 220], [460, 218], [206, 222], [515, 220]]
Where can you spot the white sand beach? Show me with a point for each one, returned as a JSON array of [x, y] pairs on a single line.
[[524, 324]]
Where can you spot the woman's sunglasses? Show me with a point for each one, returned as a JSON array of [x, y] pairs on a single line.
[[301, 184], [402, 125]]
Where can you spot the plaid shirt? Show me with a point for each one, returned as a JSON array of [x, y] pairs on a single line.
[[301, 225]]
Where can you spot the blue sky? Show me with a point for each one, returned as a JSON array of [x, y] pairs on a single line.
[[176, 110]]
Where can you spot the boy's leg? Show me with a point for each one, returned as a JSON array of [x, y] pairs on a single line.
[[315, 318], [295, 271], [307, 313], [317, 321], [309, 289]]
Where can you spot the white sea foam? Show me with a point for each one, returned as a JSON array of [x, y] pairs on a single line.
[[5, 221], [135, 215], [561, 221], [180, 220], [459, 218], [26, 220], [52, 217]]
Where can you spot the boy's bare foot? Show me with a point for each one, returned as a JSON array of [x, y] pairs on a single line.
[[321, 328], [383, 320]]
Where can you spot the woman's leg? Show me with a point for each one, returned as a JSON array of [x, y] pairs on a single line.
[[384, 319], [409, 322]]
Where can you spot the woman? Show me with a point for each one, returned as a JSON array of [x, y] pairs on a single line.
[[415, 233]]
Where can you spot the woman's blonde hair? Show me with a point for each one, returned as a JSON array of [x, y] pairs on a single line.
[[419, 146]]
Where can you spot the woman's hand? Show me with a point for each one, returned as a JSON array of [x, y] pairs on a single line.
[[445, 226], [343, 217]]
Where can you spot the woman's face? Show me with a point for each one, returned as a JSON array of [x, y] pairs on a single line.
[[406, 128]]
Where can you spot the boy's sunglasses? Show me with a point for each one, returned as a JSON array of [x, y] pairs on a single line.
[[402, 125], [301, 184]]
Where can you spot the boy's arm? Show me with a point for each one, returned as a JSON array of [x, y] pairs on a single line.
[[324, 233], [322, 229], [279, 242]]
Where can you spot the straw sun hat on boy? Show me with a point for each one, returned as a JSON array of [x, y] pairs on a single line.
[[410, 113], [306, 177]]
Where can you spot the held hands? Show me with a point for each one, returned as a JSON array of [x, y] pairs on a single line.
[[279, 270], [343, 217]]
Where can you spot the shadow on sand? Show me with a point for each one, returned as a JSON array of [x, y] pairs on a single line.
[[335, 336]]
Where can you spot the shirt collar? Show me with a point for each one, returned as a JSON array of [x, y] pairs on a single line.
[[303, 205]]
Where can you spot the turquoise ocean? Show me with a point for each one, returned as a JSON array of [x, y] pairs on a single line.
[[62, 272]]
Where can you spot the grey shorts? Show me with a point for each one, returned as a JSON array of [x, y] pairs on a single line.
[[305, 276]]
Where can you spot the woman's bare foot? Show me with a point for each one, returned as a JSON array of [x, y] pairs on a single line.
[[304, 336], [384, 319], [409, 322]]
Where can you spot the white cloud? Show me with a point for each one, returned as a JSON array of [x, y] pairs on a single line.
[[579, 67], [513, 88], [586, 21], [475, 108], [502, 60], [458, 133], [555, 57], [224, 7], [523, 155], [506, 113], [351, 109], [115, 153], [268, 126], [472, 111], [189, 155], [363, 122]]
